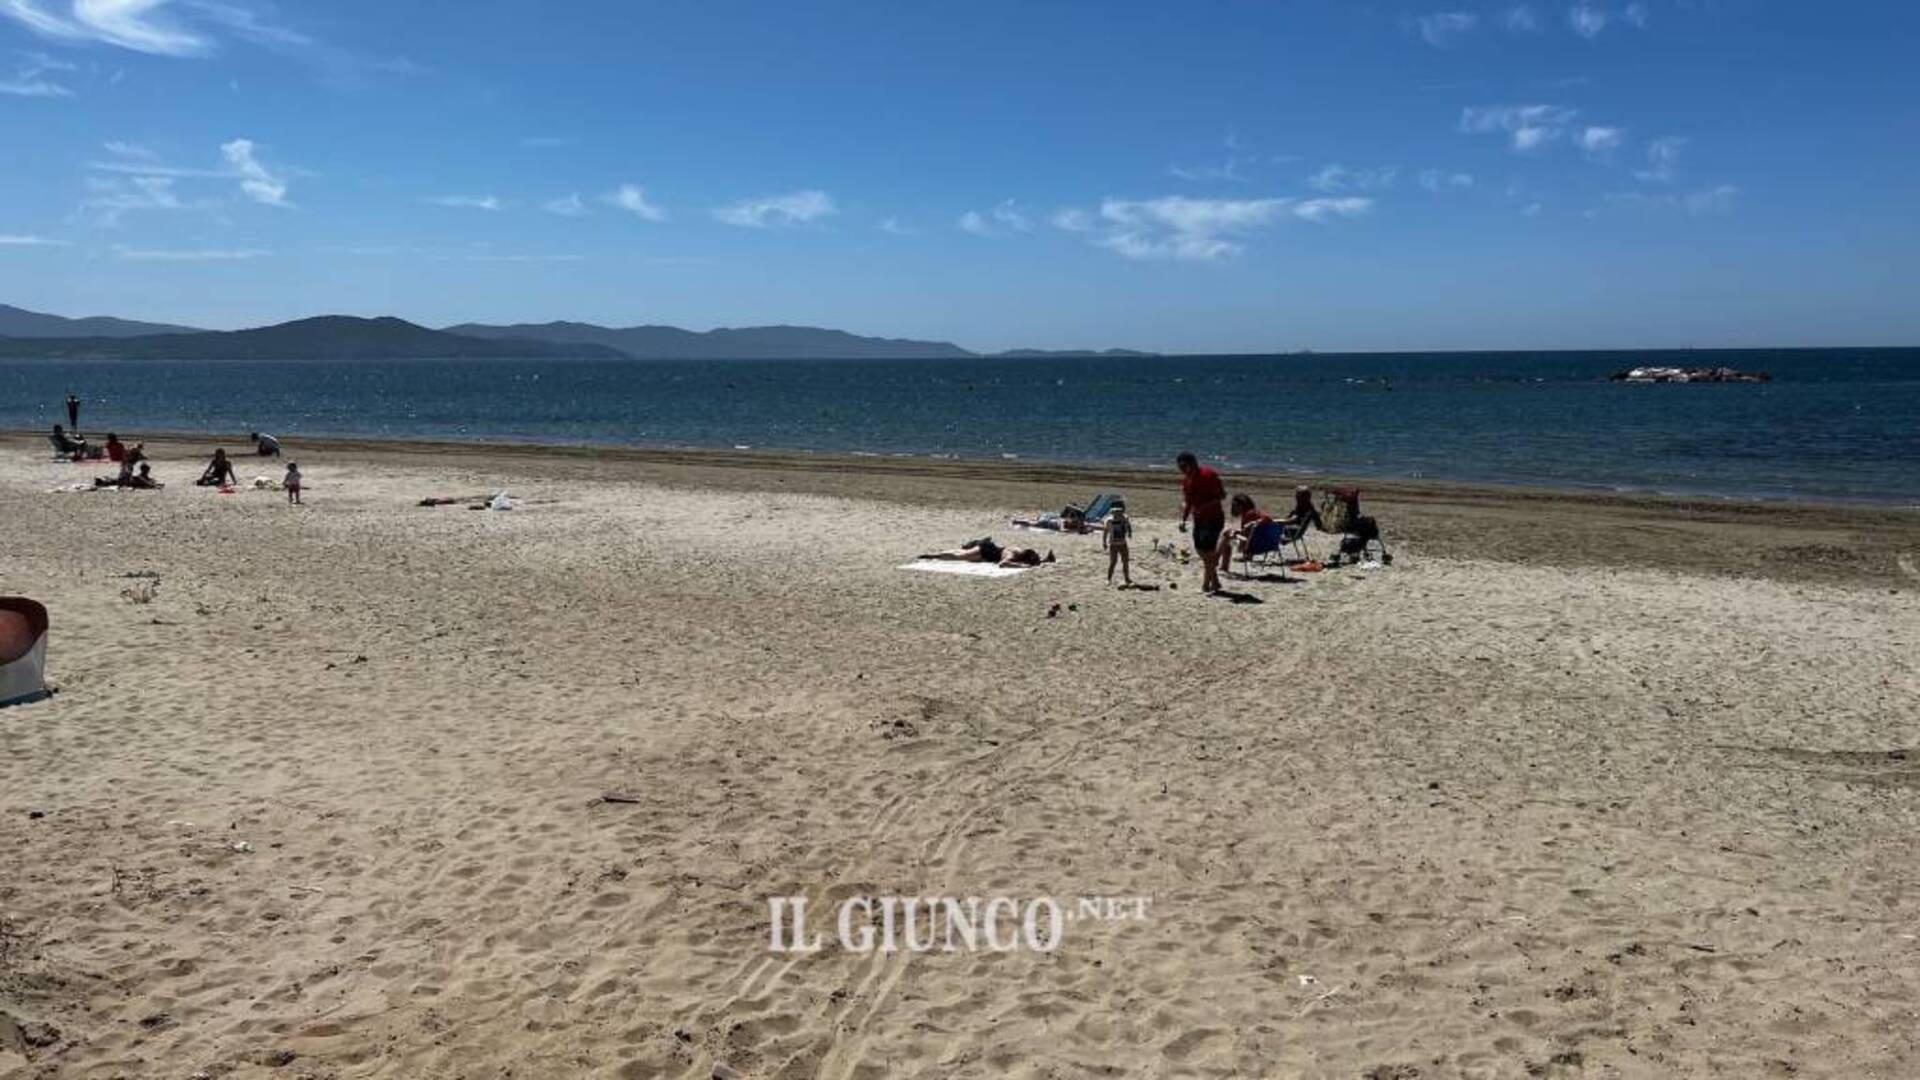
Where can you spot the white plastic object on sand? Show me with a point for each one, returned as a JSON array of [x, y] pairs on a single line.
[[500, 502]]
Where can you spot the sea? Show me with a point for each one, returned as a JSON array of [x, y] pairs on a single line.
[[1832, 425]]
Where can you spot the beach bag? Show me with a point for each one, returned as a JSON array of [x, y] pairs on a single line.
[[1341, 508]]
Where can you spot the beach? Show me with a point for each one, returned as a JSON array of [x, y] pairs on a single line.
[[1579, 785]]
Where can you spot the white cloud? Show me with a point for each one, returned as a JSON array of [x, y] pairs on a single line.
[[1714, 200], [195, 255], [29, 240], [1437, 180], [129, 151], [793, 208], [1072, 219], [109, 198], [1663, 159], [29, 76], [468, 202], [1532, 209], [1601, 142], [1635, 14], [1520, 19], [139, 25], [892, 227], [566, 206], [256, 182], [1006, 215], [1338, 177], [633, 199], [1529, 126], [1444, 29], [1587, 21], [509, 257], [1178, 227]]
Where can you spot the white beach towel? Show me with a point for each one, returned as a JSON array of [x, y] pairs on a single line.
[[969, 569]]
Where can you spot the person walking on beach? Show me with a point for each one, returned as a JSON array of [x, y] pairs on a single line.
[[1113, 537], [292, 483], [73, 412], [1201, 493]]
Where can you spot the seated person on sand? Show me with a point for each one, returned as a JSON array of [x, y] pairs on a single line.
[[129, 478], [219, 471], [1303, 513], [265, 445], [68, 444], [1247, 518], [116, 450], [985, 550]]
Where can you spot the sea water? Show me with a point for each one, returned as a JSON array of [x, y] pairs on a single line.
[[1833, 424]]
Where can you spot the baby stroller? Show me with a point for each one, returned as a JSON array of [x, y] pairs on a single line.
[[1359, 533]]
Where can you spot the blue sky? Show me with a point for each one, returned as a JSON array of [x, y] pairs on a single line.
[[1179, 176]]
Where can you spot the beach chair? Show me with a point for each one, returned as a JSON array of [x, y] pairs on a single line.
[[1267, 546], [1100, 507]]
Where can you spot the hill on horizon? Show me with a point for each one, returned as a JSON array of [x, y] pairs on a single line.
[[19, 322], [323, 337], [744, 343]]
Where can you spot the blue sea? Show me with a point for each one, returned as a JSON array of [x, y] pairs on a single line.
[[1834, 424]]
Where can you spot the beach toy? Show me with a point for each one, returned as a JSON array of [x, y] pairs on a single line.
[[23, 651]]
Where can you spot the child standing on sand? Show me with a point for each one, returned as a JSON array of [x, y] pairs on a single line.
[[292, 483], [1113, 537]]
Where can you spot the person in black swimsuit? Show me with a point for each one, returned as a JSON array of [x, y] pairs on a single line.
[[984, 550], [219, 471]]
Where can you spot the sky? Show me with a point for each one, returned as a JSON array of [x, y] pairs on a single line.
[[1193, 176]]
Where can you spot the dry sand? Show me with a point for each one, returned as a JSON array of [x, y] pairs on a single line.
[[1577, 787]]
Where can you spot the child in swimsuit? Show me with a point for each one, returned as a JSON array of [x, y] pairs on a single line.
[[1114, 538], [292, 483]]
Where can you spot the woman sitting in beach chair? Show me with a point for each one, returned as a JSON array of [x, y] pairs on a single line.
[[984, 550]]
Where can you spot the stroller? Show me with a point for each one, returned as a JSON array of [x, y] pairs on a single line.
[[1359, 533]]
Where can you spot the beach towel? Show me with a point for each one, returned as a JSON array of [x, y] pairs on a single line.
[[968, 569]]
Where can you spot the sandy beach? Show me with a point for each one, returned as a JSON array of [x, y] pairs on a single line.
[[1580, 785]]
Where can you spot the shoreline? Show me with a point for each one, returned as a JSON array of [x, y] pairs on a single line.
[[1016, 468], [1804, 541]]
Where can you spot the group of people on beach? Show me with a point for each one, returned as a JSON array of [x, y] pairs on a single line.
[[137, 473], [1203, 501]]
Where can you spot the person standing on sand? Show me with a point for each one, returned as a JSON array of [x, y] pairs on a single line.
[[73, 412], [1113, 537], [292, 483], [1201, 493]]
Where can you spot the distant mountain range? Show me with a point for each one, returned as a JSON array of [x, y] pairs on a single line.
[[18, 322], [327, 337], [330, 337]]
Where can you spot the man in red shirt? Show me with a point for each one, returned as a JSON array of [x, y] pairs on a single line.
[[1201, 493]]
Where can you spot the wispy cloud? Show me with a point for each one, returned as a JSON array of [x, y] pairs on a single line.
[[140, 25], [1178, 227], [1437, 180], [892, 227], [793, 208], [1006, 216], [566, 206], [1445, 29], [1239, 154], [1590, 20], [1711, 201], [1663, 159], [29, 240], [1337, 177], [633, 199], [1520, 19], [511, 257], [30, 73], [468, 202], [256, 182], [1529, 126], [1600, 142], [129, 151], [189, 255]]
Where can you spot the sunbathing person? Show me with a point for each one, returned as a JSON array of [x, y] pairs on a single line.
[[984, 550], [1072, 519], [219, 471]]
